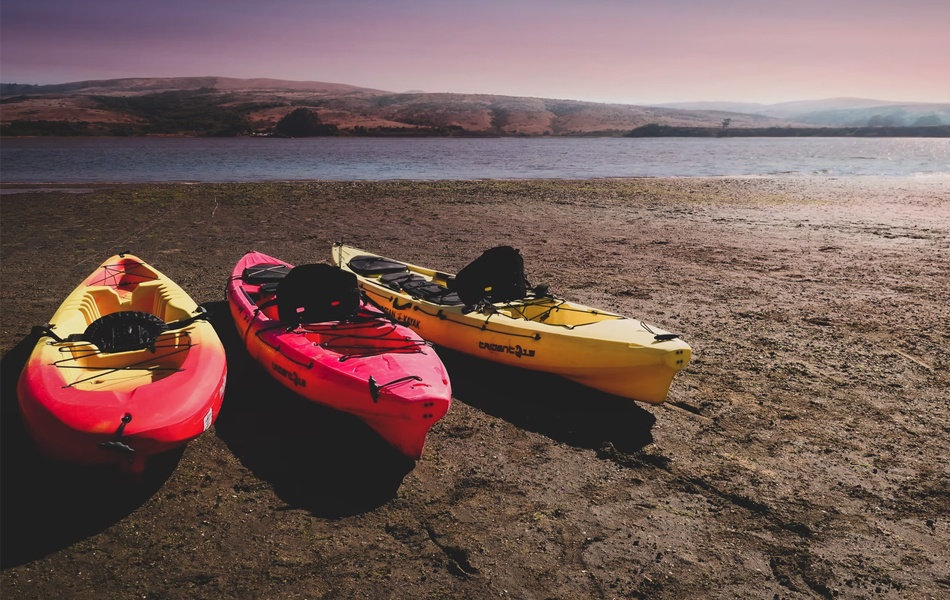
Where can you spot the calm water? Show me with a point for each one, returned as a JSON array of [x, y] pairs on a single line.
[[69, 160]]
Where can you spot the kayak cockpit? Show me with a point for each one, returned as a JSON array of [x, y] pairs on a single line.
[[552, 311]]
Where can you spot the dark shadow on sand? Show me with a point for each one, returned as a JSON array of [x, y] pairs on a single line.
[[550, 405], [48, 505], [319, 459]]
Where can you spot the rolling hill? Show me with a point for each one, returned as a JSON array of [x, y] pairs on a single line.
[[225, 106], [221, 106]]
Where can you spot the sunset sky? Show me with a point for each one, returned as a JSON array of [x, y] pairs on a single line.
[[619, 51]]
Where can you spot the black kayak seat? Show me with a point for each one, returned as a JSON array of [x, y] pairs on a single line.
[[124, 331], [495, 276], [315, 293]]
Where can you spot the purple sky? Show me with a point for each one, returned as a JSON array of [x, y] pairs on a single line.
[[624, 51]]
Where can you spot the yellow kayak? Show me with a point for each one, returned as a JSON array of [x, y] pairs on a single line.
[[487, 312]]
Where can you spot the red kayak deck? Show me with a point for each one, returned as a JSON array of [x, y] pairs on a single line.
[[361, 363]]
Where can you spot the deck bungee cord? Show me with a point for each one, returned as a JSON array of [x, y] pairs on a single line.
[[490, 309], [114, 275], [136, 366]]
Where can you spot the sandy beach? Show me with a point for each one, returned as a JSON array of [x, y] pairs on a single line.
[[803, 452]]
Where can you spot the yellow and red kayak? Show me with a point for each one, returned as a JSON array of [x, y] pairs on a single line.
[[128, 367], [310, 329], [486, 314]]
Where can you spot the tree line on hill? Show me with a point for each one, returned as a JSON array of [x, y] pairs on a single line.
[[655, 130]]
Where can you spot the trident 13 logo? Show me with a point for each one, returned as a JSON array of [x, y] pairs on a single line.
[[517, 350]]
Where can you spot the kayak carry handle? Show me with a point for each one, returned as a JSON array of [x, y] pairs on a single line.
[[375, 387], [119, 442]]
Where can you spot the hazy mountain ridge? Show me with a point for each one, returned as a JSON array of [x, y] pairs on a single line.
[[838, 112], [164, 84], [229, 106]]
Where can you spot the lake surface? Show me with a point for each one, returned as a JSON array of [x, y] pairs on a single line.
[[98, 160]]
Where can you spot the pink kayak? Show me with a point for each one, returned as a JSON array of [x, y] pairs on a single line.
[[309, 327]]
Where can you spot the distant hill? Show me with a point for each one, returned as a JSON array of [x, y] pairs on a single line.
[[225, 106], [838, 112], [221, 106], [164, 84]]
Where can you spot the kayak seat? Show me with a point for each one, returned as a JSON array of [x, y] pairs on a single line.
[[366, 264], [124, 331], [316, 293], [495, 276]]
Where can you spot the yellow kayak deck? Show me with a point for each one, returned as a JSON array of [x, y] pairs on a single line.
[[597, 348]]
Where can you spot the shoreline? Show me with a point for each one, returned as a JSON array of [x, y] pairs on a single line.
[[801, 453], [803, 181]]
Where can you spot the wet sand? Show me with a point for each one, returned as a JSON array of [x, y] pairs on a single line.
[[801, 454]]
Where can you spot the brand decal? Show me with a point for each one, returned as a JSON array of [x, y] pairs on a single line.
[[402, 318], [517, 350], [291, 375]]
